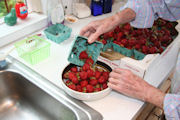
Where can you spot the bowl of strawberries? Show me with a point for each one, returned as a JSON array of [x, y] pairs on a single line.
[[87, 82]]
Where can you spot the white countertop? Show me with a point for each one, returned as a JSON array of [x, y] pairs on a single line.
[[115, 106]]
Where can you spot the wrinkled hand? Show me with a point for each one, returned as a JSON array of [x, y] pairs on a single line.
[[127, 83], [94, 29]]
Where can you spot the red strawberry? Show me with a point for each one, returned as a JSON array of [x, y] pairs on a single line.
[[120, 34], [117, 29], [127, 26], [97, 74], [89, 61], [161, 49], [83, 55], [75, 80], [104, 41], [145, 49], [104, 86], [74, 69], [89, 88], [97, 89], [72, 86], [101, 79], [83, 83], [90, 73], [86, 67], [93, 82], [105, 75], [79, 88], [137, 46], [152, 50], [124, 42], [83, 75], [71, 75]]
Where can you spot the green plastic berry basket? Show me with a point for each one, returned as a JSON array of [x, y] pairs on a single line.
[[80, 44], [58, 33], [33, 49], [123, 50], [107, 45], [138, 55]]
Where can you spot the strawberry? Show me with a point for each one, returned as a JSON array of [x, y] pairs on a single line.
[[86, 67], [89, 61], [93, 82], [120, 34], [127, 26], [83, 75], [117, 29], [104, 42], [104, 86], [97, 89], [145, 49], [89, 88], [71, 75], [75, 80], [101, 79], [79, 88], [83, 55], [152, 50], [105, 75], [161, 49], [97, 74], [124, 42], [137, 46], [83, 83], [90, 73], [72, 86], [74, 69]]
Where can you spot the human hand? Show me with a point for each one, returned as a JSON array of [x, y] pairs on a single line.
[[94, 29], [127, 83]]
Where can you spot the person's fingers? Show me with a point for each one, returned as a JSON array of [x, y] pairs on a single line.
[[87, 34], [85, 30], [93, 37], [113, 81], [115, 75], [121, 71]]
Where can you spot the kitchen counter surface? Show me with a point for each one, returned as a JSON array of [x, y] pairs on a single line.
[[115, 106]]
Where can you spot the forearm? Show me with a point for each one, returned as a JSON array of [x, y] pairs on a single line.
[[121, 17], [154, 96]]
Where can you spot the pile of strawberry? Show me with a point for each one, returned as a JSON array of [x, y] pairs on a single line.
[[147, 41], [88, 78]]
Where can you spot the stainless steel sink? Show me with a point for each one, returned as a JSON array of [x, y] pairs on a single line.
[[26, 95]]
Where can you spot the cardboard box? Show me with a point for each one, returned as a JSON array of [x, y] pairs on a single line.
[[153, 67]]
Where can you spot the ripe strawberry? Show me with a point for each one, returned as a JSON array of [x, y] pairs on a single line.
[[97, 89], [120, 34], [83, 83], [104, 85], [83, 75], [124, 42], [74, 69], [89, 88], [75, 80], [71, 75], [137, 46], [104, 42], [97, 74], [152, 50], [161, 49], [111, 34], [93, 82], [79, 88], [132, 42], [86, 67], [89, 61], [145, 49], [72, 86], [101, 79], [117, 29], [83, 55], [127, 26], [90, 73], [105, 75]]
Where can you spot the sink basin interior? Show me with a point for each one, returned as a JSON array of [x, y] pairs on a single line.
[[22, 100]]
